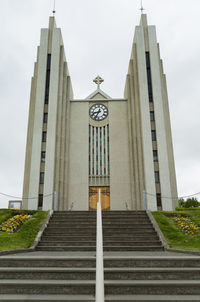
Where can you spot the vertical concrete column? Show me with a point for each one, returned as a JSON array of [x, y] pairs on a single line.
[[103, 155], [69, 95], [130, 99], [95, 152], [120, 191], [38, 122], [29, 143], [145, 120], [172, 171], [160, 120], [52, 120], [98, 150], [58, 179], [106, 147], [78, 156]]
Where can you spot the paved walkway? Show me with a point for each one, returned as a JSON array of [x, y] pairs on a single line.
[[92, 254]]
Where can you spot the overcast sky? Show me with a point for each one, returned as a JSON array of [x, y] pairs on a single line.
[[98, 36]]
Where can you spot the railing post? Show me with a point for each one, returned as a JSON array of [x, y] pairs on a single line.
[[99, 255]]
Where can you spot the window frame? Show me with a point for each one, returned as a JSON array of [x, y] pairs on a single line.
[[153, 135], [41, 178], [157, 177]]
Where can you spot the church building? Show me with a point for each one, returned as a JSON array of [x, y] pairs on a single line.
[[120, 146]]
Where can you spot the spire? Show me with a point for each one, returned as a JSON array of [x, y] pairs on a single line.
[[143, 20], [54, 8], [141, 7]]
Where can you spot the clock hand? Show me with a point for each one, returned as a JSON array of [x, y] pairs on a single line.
[[96, 113]]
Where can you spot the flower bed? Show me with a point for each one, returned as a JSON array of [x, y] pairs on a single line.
[[186, 225], [13, 224]]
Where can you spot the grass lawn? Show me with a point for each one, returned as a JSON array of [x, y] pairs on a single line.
[[25, 236], [177, 238]]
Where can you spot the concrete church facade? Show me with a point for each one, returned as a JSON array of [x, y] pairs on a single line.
[[121, 146]]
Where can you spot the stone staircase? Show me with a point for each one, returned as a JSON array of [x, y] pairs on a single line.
[[129, 231], [136, 267], [46, 278], [132, 278], [122, 231]]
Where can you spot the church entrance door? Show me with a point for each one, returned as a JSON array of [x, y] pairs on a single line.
[[94, 195]]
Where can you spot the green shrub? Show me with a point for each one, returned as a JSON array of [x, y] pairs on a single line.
[[189, 203]]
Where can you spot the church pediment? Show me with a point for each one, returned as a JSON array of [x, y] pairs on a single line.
[[98, 94]]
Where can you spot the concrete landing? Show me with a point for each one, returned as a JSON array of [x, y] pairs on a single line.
[[93, 254]]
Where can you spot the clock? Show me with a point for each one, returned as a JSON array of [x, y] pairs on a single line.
[[98, 112]]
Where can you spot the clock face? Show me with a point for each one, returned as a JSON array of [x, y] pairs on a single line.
[[98, 112]]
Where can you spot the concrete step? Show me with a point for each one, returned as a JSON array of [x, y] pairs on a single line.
[[105, 223], [132, 243], [68, 243], [72, 224], [151, 262], [106, 232], [74, 212], [46, 298], [52, 237], [107, 216], [93, 243], [87, 287], [85, 218], [105, 220], [47, 273], [112, 228], [144, 232], [152, 273], [128, 230], [153, 298], [50, 273], [105, 226], [108, 298], [134, 226], [72, 219], [118, 218], [67, 248], [113, 212], [132, 248], [48, 287], [114, 220], [93, 248], [152, 287], [123, 217], [79, 262], [70, 232]]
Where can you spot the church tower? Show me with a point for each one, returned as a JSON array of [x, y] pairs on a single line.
[[122, 147], [151, 150], [46, 164]]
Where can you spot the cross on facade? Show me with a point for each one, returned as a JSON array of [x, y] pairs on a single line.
[[98, 80]]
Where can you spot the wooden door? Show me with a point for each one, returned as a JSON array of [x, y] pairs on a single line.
[[94, 196]]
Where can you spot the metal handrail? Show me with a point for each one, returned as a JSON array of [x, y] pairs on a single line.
[[99, 255]]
